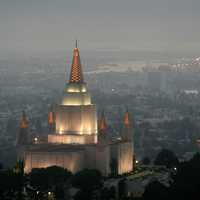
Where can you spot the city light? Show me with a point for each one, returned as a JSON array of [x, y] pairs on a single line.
[[35, 139]]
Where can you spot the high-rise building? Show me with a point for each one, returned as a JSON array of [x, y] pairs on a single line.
[[75, 140]]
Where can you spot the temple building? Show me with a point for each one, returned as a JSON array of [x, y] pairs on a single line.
[[77, 139]]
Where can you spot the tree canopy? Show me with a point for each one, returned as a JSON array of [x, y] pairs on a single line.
[[45, 178], [87, 178], [167, 158]]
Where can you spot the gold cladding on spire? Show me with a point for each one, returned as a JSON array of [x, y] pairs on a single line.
[[102, 122], [24, 121], [50, 118], [76, 75], [127, 119]]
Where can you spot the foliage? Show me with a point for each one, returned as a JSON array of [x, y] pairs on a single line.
[[87, 179], [155, 191], [89, 182], [19, 167], [11, 184], [108, 193], [146, 161], [45, 178], [186, 181], [122, 188], [167, 158], [184, 185]]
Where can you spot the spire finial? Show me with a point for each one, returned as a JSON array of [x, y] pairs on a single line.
[[76, 75], [76, 45]]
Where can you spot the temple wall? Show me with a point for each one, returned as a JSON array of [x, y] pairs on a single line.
[[90, 156], [72, 139], [103, 159], [123, 153], [76, 119], [76, 99], [125, 157], [73, 161], [98, 157]]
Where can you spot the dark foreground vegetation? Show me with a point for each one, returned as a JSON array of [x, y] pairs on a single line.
[[60, 184]]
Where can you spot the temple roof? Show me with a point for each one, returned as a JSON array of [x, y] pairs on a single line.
[[76, 75]]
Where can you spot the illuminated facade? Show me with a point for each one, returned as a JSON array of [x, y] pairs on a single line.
[[75, 116], [75, 142]]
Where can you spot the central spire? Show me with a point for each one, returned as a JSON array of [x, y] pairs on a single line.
[[76, 75]]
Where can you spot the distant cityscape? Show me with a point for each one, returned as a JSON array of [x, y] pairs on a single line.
[[162, 98], [158, 95]]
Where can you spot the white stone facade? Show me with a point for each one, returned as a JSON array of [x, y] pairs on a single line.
[[74, 142]]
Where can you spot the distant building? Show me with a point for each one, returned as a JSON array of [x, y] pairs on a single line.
[[75, 140]]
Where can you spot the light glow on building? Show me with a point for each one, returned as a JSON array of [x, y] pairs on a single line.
[[75, 141]]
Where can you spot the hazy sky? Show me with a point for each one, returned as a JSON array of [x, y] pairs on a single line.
[[46, 25]]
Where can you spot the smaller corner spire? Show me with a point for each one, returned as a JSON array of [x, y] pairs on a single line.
[[51, 119], [24, 121], [102, 122], [126, 118]]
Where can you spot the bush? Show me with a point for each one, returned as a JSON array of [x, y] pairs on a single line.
[[166, 158]]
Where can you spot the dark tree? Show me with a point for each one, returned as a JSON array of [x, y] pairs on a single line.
[[11, 184], [59, 192], [1, 166], [146, 161], [167, 158], [112, 192], [186, 181], [89, 181], [155, 191], [45, 178], [83, 195], [108, 193], [122, 188]]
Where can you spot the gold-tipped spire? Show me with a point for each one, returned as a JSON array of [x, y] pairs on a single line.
[[24, 121], [102, 123], [76, 75], [50, 118], [126, 118]]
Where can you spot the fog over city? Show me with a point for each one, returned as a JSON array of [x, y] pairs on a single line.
[[139, 60]]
